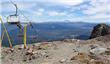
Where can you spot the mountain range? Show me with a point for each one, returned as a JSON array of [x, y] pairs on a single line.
[[49, 31]]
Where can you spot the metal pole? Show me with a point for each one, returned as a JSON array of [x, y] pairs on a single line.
[[1, 39], [25, 26], [16, 9]]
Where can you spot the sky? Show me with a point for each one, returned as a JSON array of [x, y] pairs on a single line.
[[58, 10]]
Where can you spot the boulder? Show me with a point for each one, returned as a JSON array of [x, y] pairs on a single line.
[[63, 60], [98, 50], [100, 30]]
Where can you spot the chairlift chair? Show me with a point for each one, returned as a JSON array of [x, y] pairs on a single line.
[[14, 19]]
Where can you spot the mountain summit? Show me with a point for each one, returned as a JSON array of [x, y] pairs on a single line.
[[100, 30]]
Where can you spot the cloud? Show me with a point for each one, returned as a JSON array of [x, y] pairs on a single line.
[[23, 6], [7, 6], [66, 2], [98, 2], [98, 17], [54, 13], [96, 10], [39, 12], [59, 2], [93, 18], [97, 7], [74, 10]]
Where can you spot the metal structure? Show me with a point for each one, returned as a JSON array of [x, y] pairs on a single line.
[[25, 26], [14, 20], [5, 30]]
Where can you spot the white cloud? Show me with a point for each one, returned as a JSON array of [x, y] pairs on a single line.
[[61, 2], [54, 13], [21, 5], [65, 2], [97, 10], [99, 2], [25, 5], [97, 7], [95, 18], [41, 10], [39, 13], [98, 17]]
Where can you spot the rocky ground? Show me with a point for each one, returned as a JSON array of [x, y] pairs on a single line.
[[69, 51]]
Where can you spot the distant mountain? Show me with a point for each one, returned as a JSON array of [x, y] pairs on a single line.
[[101, 29], [50, 31]]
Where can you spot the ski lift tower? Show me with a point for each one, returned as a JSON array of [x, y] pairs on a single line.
[[14, 20]]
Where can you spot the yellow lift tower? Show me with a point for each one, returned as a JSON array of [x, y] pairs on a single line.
[[14, 20], [5, 30]]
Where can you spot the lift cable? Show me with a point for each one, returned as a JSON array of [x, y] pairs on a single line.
[[30, 22], [20, 11]]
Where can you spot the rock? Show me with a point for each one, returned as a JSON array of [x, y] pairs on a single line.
[[104, 57], [29, 51], [35, 52], [71, 40], [63, 60], [12, 50], [21, 47], [43, 46], [82, 57], [46, 63], [92, 61], [93, 46], [100, 30], [98, 50], [43, 53], [107, 52]]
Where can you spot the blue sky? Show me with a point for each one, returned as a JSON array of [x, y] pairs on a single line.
[[59, 10]]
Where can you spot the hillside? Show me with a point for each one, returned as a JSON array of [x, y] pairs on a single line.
[[69, 51]]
